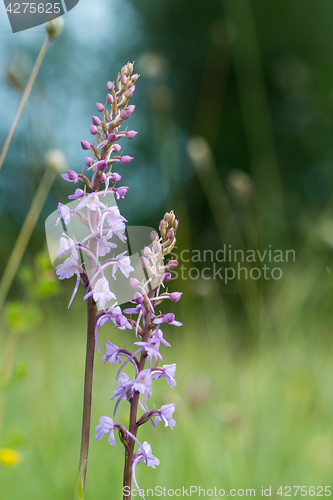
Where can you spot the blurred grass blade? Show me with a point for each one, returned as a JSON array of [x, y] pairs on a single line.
[[256, 118], [25, 234], [24, 99]]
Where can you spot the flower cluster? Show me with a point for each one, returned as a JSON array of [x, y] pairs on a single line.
[[146, 321], [89, 259], [102, 221]]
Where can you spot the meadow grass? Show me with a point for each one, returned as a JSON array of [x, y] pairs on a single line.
[[246, 417]]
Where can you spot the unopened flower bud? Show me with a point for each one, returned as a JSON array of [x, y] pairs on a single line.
[[96, 121], [131, 108], [125, 114], [134, 283], [163, 223], [110, 86], [88, 161], [131, 134], [100, 107], [101, 166], [112, 137], [93, 130], [166, 277], [153, 236], [134, 77], [85, 145], [170, 234], [126, 159], [175, 296], [123, 80], [138, 298], [157, 246], [109, 98], [172, 264], [175, 224], [116, 148], [147, 251], [129, 93]]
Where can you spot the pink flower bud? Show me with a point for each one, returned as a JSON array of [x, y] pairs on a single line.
[[101, 165], [134, 77], [109, 98], [129, 93], [175, 296], [147, 251], [85, 145], [112, 137], [134, 283], [100, 107], [96, 121], [166, 277], [170, 234], [126, 159], [131, 108], [175, 224], [157, 246], [138, 298], [114, 177], [88, 161], [153, 236], [125, 114], [123, 79], [116, 148], [131, 134], [172, 264], [110, 86], [93, 130]]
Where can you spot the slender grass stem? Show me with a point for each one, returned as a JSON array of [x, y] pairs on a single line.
[[24, 99], [25, 234]]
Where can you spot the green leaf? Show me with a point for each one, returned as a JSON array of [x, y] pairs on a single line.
[[78, 492]]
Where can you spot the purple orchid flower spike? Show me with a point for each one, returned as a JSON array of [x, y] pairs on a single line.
[[95, 260]]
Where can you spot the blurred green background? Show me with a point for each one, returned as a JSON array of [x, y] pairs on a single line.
[[234, 110]]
